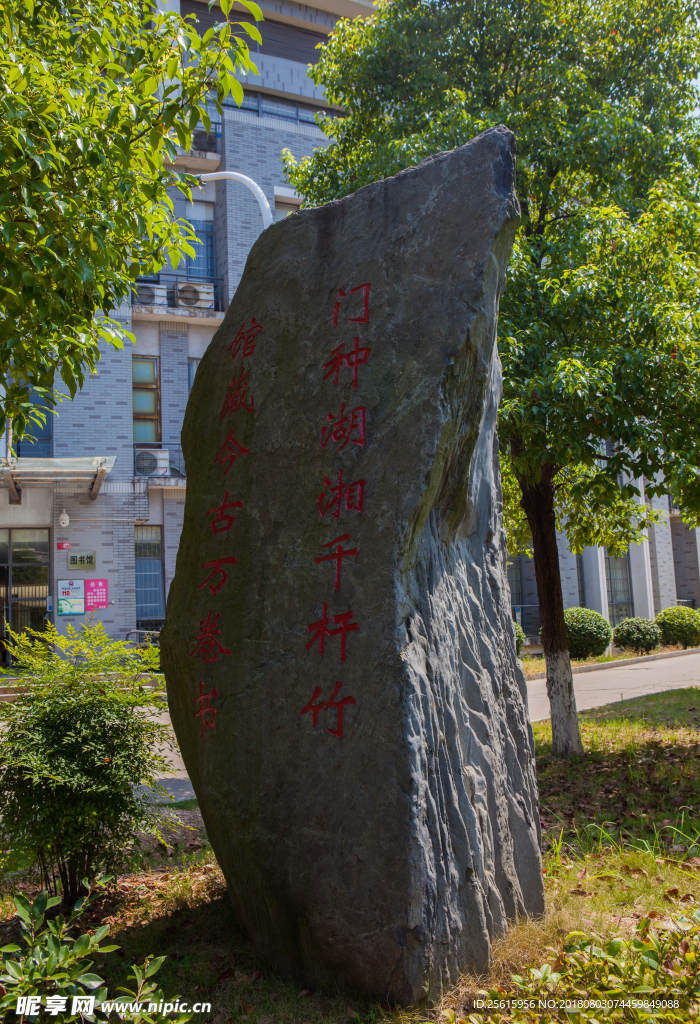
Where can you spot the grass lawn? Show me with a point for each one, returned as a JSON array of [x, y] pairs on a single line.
[[621, 839], [534, 663]]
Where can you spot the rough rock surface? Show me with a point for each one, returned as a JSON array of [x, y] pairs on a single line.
[[375, 817]]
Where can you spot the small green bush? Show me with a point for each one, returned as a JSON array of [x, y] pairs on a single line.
[[638, 635], [76, 741], [52, 966], [519, 637], [587, 632], [679, 625]]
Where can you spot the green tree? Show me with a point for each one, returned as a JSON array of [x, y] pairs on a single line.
[[94, 96], [598, 326], [77, 739]]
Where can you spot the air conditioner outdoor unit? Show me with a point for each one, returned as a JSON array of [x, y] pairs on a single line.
[[151, 294], [192, 293], [152, 462]]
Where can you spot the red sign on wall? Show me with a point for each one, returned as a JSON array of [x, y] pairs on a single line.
[[96, 594], [63, 545]]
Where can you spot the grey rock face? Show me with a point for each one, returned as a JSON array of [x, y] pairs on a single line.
[[338, 647]]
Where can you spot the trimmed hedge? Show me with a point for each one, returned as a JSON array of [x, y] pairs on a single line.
[[519, 637], [679, 625], [638, 635], [587, 632]]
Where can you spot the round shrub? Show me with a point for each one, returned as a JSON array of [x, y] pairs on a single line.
[[679, 625], [519, 637], [587, 632], [638, 635]]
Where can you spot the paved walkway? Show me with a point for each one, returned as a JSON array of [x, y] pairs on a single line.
[[608, 685], [592, 690]]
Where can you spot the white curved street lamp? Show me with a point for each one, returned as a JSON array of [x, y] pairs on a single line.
[[244, 180]]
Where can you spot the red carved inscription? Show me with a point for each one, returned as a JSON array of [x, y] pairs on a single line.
[[342, 427], [205, 711], [337, 705], [216, 570], [206, 645], [338, 555]]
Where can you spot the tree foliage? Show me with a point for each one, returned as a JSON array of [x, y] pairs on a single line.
[[598, 328], [77, 739], [94, 97]]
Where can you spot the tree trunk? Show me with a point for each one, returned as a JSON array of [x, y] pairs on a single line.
[[538, 505]]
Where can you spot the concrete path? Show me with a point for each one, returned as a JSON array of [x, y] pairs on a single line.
[[592, 689], [607, 685]]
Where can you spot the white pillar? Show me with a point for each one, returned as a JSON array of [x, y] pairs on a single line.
[[640, 570], [567, 572], [661, 556], [594, 580]]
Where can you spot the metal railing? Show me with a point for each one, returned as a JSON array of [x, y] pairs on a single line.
[[160, 460], [182, 291]]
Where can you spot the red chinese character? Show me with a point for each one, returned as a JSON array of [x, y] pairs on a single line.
[[245, 339], [316, 709], [364, 319], [223, 516], [330, 500], [208, 647], [217, 571], [320, 630], [235, 395], [343, 427], [338, 555], [204, 700], [353, 359], [336, 308], [230, 450]]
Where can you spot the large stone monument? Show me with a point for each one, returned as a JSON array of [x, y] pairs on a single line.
[[338, 647]]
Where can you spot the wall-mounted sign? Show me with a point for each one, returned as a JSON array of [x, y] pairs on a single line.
[[71, 597], [96, 594], [63, 545], [82, 560]]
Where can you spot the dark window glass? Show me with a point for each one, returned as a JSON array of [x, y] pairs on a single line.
[[146, 399], [37, 442], [514, 582], [619, 586], [30, 547], [278, 39]]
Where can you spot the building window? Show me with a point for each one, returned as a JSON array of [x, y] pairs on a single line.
[[619, 585], [37, 442], [515, 582], [262, 105], [581, 585], [192, 367], [145, 399], [24, 581], [150, 590], [283, 209], [201, 217]]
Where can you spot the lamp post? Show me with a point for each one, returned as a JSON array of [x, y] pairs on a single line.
[[244, 180]]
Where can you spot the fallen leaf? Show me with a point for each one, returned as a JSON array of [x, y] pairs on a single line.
[[255, 975], [671, 892], [350, 1012], [228, 973], [688, 898], [683, 946], [581, 874], [304, 992], [653, 914], [248, 1009], [579, 892], [605, 878]]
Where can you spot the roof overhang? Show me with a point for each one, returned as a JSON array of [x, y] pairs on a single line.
[[85, 474]]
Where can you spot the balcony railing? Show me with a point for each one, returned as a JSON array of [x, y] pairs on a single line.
[[158, 462], [172, 291]]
